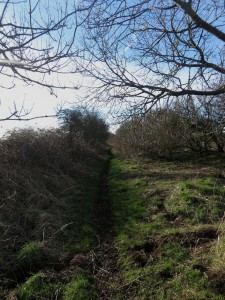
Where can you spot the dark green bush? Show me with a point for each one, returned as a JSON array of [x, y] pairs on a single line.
[[81, 124]]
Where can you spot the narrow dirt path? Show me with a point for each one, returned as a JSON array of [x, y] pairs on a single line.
[[104, 220], [105, 254]]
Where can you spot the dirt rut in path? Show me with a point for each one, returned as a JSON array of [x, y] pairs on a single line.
[[105, 254]]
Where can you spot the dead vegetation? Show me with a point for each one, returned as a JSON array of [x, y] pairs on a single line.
[[84, 227], [46, 210]]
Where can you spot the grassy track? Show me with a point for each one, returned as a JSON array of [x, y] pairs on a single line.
[[141, 229], [169, 223]]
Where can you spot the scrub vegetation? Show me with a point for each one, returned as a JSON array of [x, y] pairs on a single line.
[[82, 220], [48, 183], [135, 215], [167, 192]]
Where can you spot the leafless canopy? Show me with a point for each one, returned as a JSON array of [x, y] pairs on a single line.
[[37, 40], [38, 36], [144, 52]]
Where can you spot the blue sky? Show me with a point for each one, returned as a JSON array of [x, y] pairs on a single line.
[[40, 99], [36, 98]]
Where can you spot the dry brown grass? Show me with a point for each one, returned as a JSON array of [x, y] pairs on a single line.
[[40, 172]]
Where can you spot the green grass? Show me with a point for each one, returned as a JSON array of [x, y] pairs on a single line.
[[79, 288], [29, 253], [79, 237], [167, 218], [38, 287], [169, 231], [127, 203], [198, 201]]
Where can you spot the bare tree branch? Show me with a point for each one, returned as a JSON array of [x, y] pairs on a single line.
[[37, 37], [186, 6], [140, 53]]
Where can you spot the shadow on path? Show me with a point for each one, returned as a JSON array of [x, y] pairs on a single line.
[[105, 254]]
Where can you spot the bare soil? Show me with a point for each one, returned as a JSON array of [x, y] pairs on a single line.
[[105, 265]]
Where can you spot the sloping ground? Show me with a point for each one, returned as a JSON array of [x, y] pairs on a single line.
[[47, 216], [127, 229], [170, 229]]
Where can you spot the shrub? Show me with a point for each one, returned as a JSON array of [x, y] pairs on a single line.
[[29, 253], [84, 126], [79, 288], [38, 287], [42, 181], [156, 135]]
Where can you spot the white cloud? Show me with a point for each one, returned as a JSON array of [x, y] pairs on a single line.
[[36, 99]]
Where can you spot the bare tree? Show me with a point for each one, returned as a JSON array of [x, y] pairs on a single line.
[[202, 123], [140, 53], [38, 37]]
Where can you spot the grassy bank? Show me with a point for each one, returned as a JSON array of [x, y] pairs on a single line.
[[59, 268], [169, 223], [48, 215], [99, 228]]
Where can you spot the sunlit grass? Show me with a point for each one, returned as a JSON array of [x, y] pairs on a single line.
[[168, 216]]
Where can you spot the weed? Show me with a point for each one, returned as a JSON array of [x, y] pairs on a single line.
[[190, 284], [197, 201], [218, 255], [79, 288], [29, 253], [174, 250], [48, 191], [38, 287]]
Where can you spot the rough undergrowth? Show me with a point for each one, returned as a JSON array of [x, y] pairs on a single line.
[[169, 223], [47, 216], [126, 229]]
